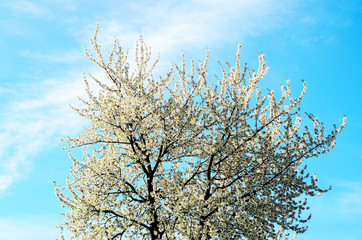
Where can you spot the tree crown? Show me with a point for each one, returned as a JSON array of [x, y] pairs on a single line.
[[180, 158]]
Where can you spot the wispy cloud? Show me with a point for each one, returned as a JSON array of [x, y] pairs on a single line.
[[33, 123], [310, 20], [60, 57], [187, 25], [26, 7], [344, 201], [182, 24], [350, 200]]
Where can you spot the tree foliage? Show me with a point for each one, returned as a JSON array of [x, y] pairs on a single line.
[[179, 158]]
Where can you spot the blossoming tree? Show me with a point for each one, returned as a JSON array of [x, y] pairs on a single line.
[[179, 158]]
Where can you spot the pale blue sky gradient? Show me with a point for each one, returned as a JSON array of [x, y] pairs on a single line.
[[42, 61]]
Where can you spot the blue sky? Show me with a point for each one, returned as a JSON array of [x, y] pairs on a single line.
[[42, 61]]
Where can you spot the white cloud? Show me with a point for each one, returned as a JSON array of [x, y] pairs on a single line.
[[27, 7], [343, 203], [59, 57], [32, 123], [310, 20], [168, 27], [5, 182], [350, 200]]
